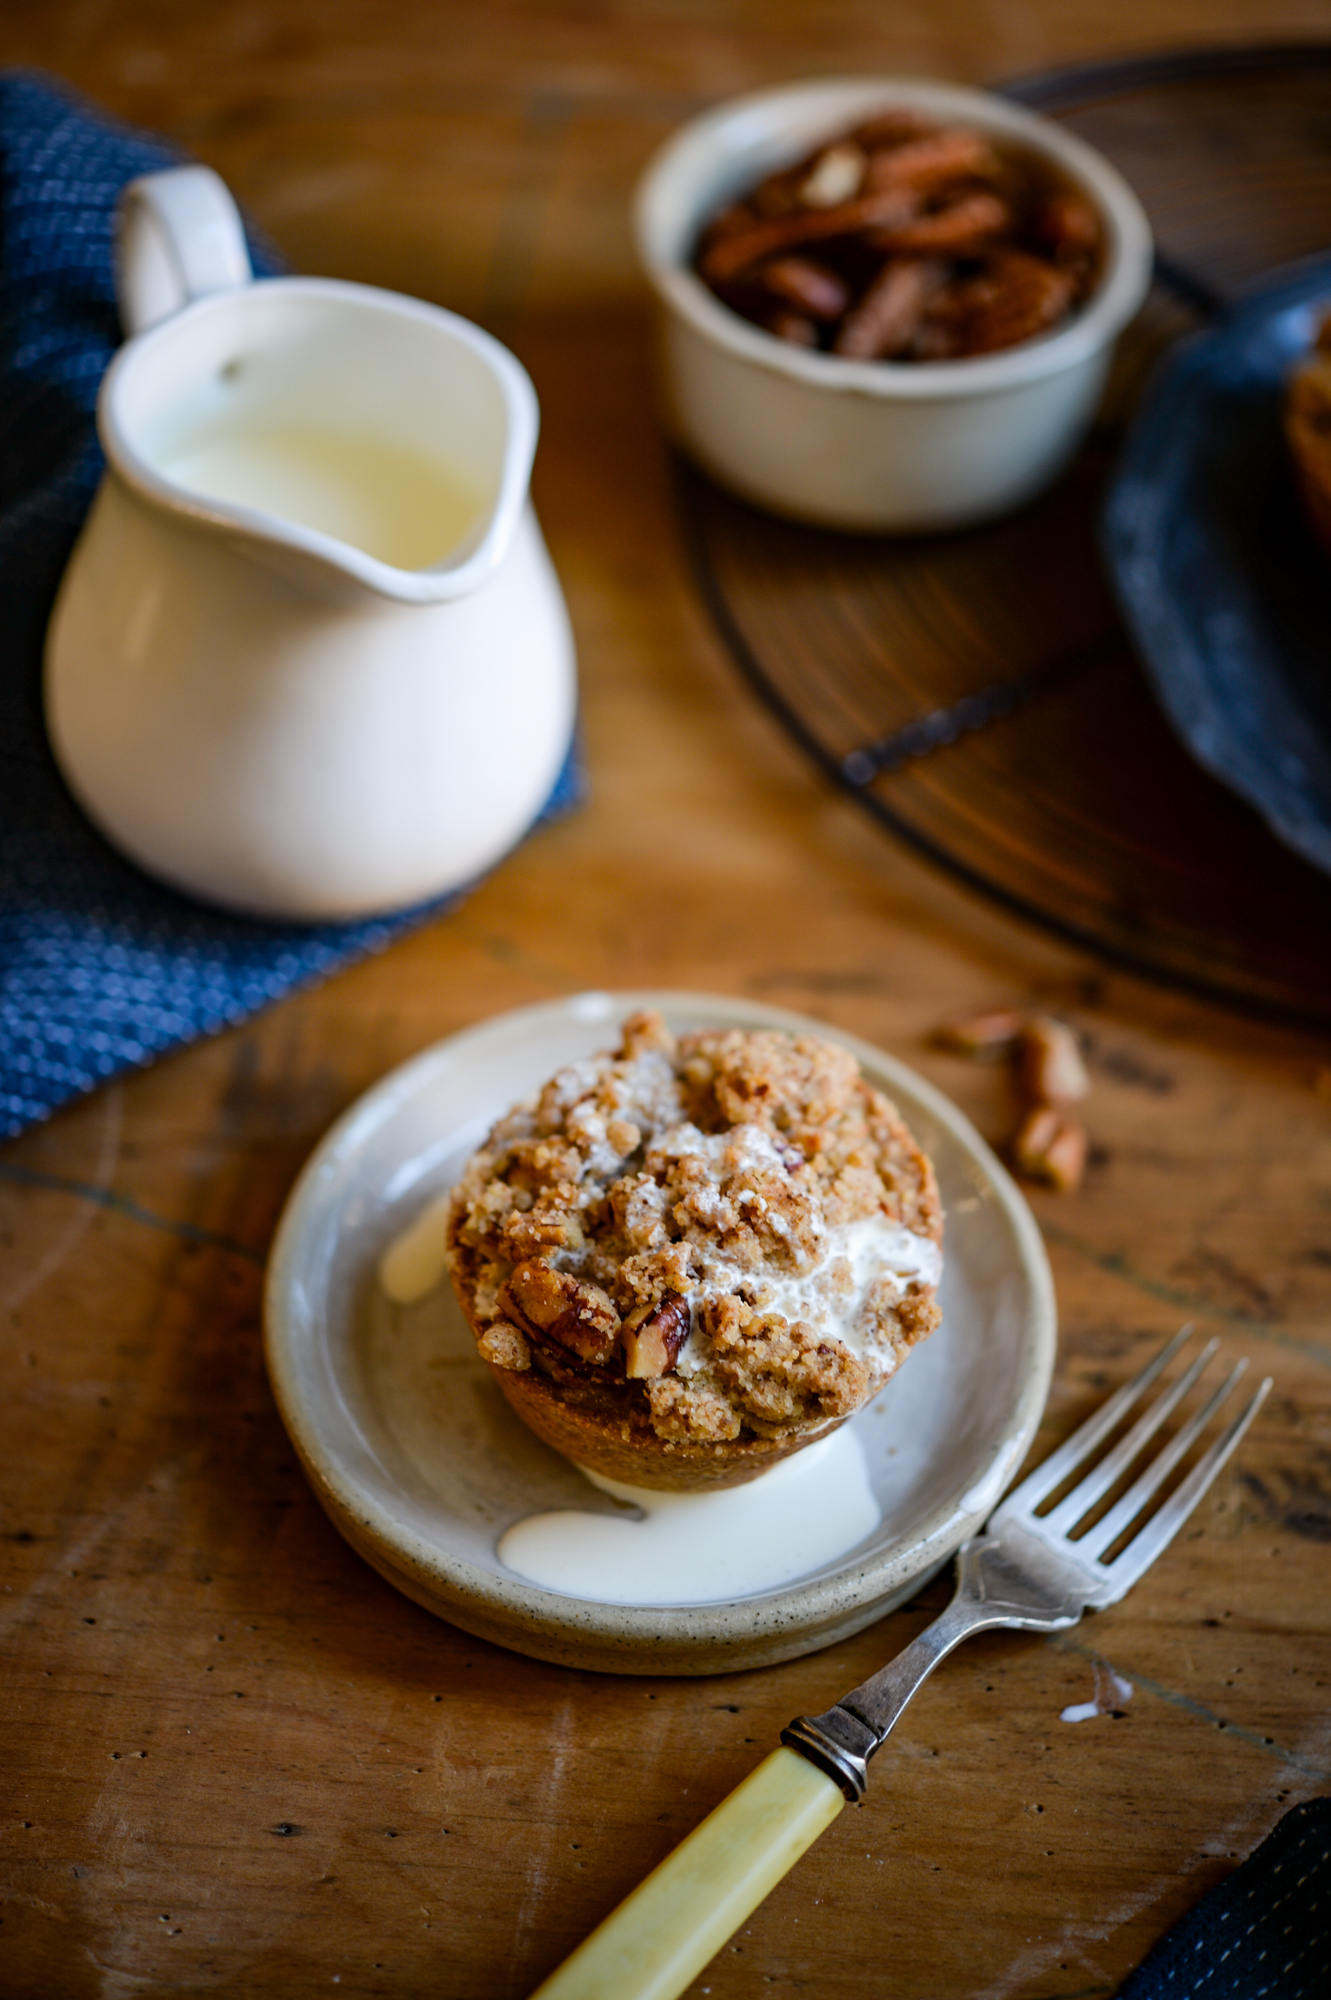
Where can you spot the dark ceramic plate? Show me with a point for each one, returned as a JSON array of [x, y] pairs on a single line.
[[1223, 585]]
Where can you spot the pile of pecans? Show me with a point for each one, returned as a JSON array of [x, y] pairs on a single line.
[[906, 241], [1049, 1144]]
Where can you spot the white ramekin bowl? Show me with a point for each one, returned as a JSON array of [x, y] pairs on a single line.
[[871, 445]]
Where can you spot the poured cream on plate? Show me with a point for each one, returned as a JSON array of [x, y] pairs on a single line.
[[858, 1258], [831, 1297], [417, 1258], [711, 1547], [705, 1548]]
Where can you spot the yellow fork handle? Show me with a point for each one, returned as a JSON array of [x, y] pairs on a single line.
[[663, 1934]]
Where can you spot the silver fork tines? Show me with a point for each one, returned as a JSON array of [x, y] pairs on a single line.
[[1125, 1511], [1047, 1478], [1092, 1489], [1161, 1529], [1026, 1570], [1117, 1576]]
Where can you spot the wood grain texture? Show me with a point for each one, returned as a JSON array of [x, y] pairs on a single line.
[[234, 1761]]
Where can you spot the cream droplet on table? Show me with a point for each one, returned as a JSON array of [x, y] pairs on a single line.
[[1111, 1692]]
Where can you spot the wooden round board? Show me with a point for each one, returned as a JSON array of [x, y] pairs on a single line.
[[977, 691]]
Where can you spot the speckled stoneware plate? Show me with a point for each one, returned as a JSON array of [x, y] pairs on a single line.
[[423, 1466], [1218, 574]]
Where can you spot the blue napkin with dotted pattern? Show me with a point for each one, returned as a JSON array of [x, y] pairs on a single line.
[[1264, 1933], [101, 969]]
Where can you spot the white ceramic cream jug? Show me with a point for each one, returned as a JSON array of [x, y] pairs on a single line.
[[310, 658]]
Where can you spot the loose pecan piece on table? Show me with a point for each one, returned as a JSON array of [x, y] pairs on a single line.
[[1049, 1071]]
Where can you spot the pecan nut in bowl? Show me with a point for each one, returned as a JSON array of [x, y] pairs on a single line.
[[864, 321], [692, 1256], [911, 242]]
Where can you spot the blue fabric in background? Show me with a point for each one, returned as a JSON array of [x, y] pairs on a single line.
[[1264, 1933], [101, 969]]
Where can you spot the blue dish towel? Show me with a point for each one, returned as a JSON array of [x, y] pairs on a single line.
[[101, 969], [1264, 1933]]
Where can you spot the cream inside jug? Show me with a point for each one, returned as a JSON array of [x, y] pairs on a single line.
[[328, 408], [394, 503]]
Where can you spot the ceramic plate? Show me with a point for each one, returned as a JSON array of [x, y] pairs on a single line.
[[1220, 579], [422, 1465]]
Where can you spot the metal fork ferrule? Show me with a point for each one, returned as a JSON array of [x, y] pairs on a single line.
[[839, 1743]]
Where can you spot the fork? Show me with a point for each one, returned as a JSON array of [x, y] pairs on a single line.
[[1024, 1570]]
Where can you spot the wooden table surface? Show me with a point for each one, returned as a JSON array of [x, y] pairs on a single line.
[[234, 1761]]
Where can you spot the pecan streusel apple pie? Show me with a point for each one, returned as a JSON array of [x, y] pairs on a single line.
[[691, 1257]]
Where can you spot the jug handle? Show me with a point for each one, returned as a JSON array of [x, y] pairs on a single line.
[[179, 237]]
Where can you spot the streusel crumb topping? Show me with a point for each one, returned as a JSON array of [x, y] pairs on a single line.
[[729, 1234]]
